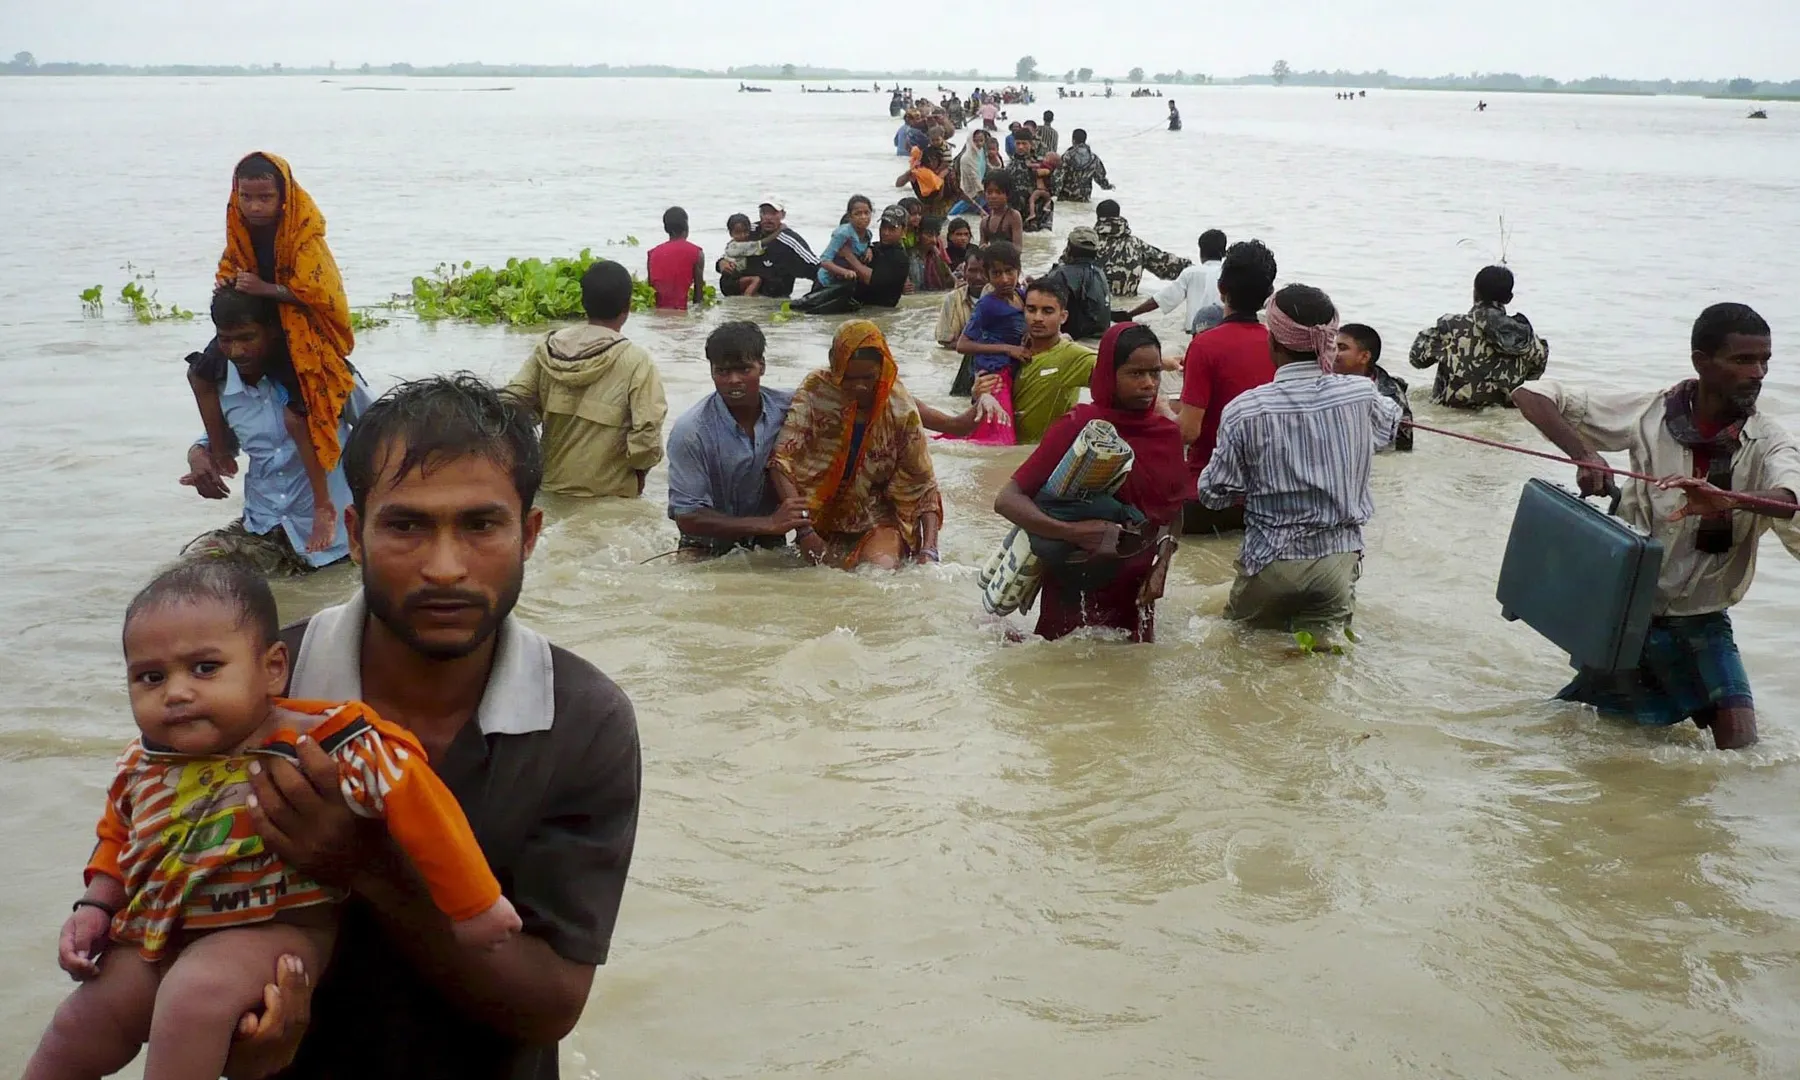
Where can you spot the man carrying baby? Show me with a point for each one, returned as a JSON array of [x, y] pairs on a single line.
[[538, 749]]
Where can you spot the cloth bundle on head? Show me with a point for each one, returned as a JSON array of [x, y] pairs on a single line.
[[319, 338], [1295, 336], [895, 215]]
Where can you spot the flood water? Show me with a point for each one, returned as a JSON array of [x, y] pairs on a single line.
[[877, 841]]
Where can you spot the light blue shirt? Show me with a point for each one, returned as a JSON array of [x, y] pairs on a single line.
[[276, 492], [714, 466]]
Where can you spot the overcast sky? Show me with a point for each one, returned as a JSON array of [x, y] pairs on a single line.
[[1561, 38]]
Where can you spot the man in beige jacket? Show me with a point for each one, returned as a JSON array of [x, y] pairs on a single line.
[[599, 395]]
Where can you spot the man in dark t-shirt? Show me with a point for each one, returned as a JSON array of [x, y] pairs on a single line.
[[539, 748]]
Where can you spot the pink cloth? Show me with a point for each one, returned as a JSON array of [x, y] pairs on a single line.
[[993, 432], [1294, 337]]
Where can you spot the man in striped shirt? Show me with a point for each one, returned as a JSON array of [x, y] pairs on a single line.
[[1298, 452]]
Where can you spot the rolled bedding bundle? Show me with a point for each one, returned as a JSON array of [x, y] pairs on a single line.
[[1096, 465]]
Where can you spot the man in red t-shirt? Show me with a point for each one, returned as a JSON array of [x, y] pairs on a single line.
[[1221, 364], [677, 266]]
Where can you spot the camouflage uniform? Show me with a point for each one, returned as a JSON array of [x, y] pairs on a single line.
[[1481, 357], [1126, 258], [269, 553], [1022, 181], [1080, 170]]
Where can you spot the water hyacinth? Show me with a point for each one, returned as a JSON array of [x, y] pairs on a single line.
[[525, 292]]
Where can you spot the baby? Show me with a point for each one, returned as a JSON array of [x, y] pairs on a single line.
[[187, 912], [742, 249], [1040, 190]]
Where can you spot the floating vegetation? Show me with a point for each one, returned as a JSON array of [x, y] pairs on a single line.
[[144, 305], [361, 320], [524, 292]]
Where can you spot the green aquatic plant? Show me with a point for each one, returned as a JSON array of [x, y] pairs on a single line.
[[144, 305], [361, 320], [93, 301], [524, 292]]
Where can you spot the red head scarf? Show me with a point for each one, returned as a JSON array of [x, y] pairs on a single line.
[[1159, 481]]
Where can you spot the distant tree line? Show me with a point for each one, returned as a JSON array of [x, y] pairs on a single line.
[[24, 63]]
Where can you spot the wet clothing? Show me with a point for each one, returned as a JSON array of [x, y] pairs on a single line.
[[1048, 139], [852, 485], [995, 321], [1090, 298], [786, 258], [1481, 357], [1197, 288], [177, 831], [1048, 385], [1125, 258], [1155, 488], [1080, 170], [1394, 389], [1221, 364], [270, 553], [844, 236], [671, 269], [1297, 594], [1299, 452], [1022, 180], [714, 465], [278, 500], [602, 404], [890, 268], [1689, 670], [1693, 581], [953, 315], [547, 773], [317, 329]]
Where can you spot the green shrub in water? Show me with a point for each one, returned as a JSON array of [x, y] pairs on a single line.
[[524, 292]]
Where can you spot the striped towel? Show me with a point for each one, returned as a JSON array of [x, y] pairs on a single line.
[[1096, 464]]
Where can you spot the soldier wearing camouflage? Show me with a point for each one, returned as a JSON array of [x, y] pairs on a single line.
[[1482, 356], [1125, 257]]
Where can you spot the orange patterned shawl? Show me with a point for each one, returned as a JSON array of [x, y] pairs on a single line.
[[318, 328], [891, 481]]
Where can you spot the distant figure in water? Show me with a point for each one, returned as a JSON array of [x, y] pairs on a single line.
[[1481, 106], [1174, 117]]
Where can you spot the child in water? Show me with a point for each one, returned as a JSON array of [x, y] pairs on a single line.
[[743, 248], [995, 339], [956, 245], [187, 912], [1001, 222], [930, 264]]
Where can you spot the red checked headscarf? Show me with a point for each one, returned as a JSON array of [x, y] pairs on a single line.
[[1298, 338]]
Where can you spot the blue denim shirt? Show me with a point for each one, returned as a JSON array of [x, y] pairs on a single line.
[[714, 466], [276, 492]]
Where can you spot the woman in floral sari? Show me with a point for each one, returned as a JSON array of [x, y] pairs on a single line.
[[854, 449]]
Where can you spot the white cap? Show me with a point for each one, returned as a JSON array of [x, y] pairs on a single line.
[[773, 201]]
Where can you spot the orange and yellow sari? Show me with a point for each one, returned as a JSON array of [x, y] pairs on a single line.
[[318, 327], [890, 480]]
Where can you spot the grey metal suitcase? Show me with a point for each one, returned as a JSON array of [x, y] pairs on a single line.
[[1580, 577]]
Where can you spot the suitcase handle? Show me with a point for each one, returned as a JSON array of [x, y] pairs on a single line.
[[1613, 493]]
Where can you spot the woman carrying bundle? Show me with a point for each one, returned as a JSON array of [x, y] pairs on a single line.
[[1114, 570]]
